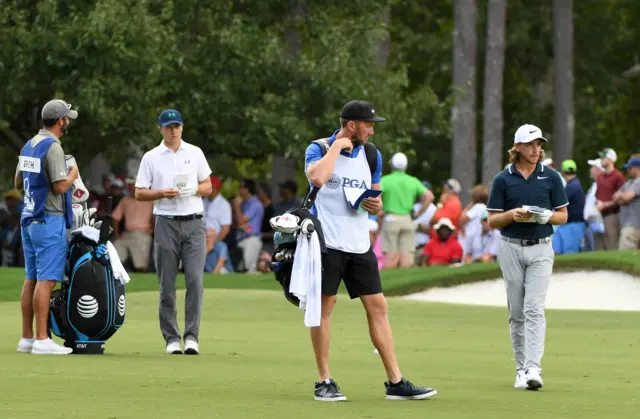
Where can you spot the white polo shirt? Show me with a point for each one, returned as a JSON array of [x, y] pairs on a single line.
[[158, 170]]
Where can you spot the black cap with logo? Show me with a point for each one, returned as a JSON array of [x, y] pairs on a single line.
[[359, 110]]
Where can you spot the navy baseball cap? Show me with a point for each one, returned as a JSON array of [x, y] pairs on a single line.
[[359, 110], [633, 162], [168, 117]]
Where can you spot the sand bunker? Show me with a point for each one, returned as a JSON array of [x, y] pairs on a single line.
[[592, 290]]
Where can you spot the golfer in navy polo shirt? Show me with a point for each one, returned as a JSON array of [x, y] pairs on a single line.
[[350, 256], [526, 254]]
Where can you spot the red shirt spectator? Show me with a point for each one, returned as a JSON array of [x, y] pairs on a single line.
[[608, 183], [444, 249]]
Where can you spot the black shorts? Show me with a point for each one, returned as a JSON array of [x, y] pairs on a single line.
[[359, 272]]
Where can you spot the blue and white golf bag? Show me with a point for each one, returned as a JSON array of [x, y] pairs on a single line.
[[90, 305]]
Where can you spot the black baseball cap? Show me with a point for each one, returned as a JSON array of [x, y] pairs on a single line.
[[359, 110]]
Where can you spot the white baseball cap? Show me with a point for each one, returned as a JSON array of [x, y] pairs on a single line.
[[399, 161], [608, 153], [596, 162], [444, 222], [527, 133]]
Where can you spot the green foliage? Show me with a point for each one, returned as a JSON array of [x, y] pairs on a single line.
[[227, 66]]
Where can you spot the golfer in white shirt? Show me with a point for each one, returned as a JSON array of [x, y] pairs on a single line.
[[175, 175]]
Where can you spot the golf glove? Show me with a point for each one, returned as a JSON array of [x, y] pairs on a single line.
[[544, 217], [189, 190]]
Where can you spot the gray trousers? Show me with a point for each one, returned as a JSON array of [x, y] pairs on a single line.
[[527, 271], [176, 240]]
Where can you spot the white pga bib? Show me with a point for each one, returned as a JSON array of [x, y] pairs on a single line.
[[345, 229]]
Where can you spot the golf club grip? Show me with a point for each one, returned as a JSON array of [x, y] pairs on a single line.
[[109, 206], [105, 228]]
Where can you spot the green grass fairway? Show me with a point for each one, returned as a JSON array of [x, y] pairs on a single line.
[[257, 362]]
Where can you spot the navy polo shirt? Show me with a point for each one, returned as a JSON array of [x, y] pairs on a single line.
[[575, 195], [511, 190]]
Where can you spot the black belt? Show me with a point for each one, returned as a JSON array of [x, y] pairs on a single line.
[[183, 217], [527, 242]]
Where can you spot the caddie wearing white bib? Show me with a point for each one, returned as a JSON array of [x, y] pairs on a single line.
[[350, 256]]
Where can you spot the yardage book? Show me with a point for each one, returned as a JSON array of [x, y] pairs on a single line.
[[355, 196]]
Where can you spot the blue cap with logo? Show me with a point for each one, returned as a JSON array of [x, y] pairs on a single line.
[[168, 117], [633, 162]]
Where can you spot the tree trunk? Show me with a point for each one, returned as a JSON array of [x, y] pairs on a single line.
[[563, 126], [282, 168], [493, 80], [382, 57], [463, 144]]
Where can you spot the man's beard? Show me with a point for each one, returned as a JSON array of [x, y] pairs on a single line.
[[65, 128], [357, 142]]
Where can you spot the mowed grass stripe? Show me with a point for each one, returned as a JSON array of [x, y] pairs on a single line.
[[257, 362]]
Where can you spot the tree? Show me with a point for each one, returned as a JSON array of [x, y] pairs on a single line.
[[463, 146], [564, 123], [492, 135]]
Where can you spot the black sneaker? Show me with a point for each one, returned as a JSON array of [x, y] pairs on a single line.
[[405, 390], [328, 391]]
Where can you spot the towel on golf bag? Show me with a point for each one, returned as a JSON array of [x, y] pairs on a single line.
[[306, 277], [286, 240], [93, 234]]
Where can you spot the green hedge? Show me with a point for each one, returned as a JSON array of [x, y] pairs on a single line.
[[395, 282]]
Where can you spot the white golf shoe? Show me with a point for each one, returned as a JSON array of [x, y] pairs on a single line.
[[49, 347], [521, 379], [25, 345], [174, 348], [191, 347], [534, 381]]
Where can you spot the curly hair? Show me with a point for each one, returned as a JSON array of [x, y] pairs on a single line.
[[514, 156]]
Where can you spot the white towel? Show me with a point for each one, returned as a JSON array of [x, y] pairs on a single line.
[[306, 278], [119, 272], [90, 233]]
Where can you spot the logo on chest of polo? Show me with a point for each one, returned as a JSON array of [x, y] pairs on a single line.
[[335, 181]]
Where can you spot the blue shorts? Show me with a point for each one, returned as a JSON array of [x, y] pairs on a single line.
[[45, 249], [568, 237]]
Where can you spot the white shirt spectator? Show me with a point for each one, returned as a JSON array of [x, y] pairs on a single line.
[[425, 218], [158, 170], [481, 244], [217, 213], [473, 228]]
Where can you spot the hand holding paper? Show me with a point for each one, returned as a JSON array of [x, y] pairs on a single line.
[[544, 217], [355, 196], [189, 190]]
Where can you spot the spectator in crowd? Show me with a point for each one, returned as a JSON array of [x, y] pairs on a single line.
[[288, 193], [14, 202], [470, 223], [444, 248], [568, 237], [628, 197], [134, 241], [217, 220], [449, 205], [594, 234], [484, 246], [10, 239], [609, 183], [248, 213], [423, 226], [399, 192], [270, 211]]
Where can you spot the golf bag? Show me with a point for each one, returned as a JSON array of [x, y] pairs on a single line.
[[90, 305], [288, 227]]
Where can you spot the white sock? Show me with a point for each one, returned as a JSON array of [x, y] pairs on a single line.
[[47, 340]]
